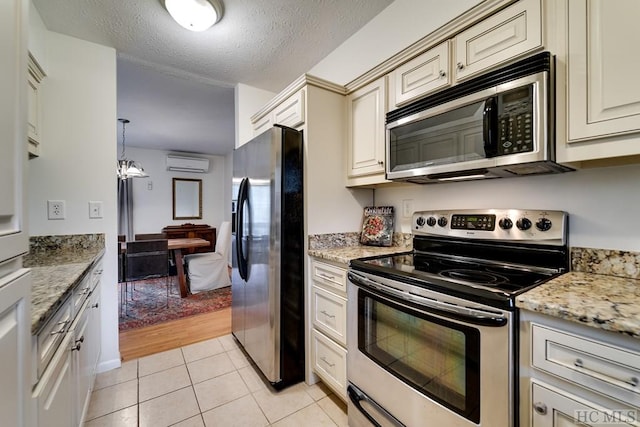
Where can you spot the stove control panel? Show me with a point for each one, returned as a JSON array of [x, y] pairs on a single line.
[[545, 227]]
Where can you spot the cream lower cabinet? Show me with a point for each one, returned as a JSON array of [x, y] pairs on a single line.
[[574, 375], [68, 348], [556, 408], [329, 320], [366, 110]]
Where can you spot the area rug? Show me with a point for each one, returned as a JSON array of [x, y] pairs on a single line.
[[150, 298]]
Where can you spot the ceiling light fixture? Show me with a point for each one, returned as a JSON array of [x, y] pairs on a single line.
[[128, 168], [195, 15]]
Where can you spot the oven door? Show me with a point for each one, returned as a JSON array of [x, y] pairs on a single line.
[[416, 357]]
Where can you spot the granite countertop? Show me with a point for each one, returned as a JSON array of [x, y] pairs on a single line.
[[601, 301], [346, 254], [56, 270]]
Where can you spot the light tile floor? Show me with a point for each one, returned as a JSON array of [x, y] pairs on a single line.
[[211, 383]]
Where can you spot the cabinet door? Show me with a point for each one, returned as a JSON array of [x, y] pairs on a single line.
[[13, 125], [552, 409], [15, 328], [366, 132], [54, 391], [422, 75], [602, 96], [506, 35], [82, 362]]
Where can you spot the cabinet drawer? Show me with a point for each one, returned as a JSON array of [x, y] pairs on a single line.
[[506, 35], [330, 314], [329, 275], [607, 369], [291, 111], [329, 362], [52, 334], [81, 293]]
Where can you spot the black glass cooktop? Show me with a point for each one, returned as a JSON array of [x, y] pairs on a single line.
[[464, 277]]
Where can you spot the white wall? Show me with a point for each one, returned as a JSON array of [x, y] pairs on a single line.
[[603, 203], [77, 161], [248, 101], [401, 24], [37, 37], [152, 208]]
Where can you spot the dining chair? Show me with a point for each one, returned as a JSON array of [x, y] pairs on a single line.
[[210, 270], [146, 259]]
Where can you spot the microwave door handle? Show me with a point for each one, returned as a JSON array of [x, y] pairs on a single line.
[[490, 127]]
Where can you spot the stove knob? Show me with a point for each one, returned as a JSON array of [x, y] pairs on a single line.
[[543, 224], [442, 221], [505, 223], [523, 224], [431, 221], [420, 221]]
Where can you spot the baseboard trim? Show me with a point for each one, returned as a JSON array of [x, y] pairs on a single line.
[[108, 365]]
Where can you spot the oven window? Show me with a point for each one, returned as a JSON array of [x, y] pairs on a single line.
[[440, 359]]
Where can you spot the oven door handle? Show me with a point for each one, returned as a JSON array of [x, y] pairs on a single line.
[[474, 316], [358, 397]]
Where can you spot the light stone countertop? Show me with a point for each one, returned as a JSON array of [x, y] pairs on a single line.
[[605, 302], [56, 271], [343, 255]]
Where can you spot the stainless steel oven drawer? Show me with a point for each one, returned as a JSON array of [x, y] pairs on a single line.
[[604, 368]]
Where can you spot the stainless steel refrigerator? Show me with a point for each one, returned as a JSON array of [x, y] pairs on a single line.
[[268, 254]]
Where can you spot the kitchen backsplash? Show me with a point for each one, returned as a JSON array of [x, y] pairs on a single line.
[[606, 261]]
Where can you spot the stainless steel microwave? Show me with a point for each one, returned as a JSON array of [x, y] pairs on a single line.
[[500, 124]]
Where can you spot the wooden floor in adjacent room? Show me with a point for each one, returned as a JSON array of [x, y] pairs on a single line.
[[140, 342]]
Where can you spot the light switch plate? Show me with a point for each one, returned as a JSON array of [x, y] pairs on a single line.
[[55, 209], [95, 209]]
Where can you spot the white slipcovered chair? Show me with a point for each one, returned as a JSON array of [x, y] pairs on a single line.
[[211, 270]]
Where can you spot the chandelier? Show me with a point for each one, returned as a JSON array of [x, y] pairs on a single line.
[[128, 168]]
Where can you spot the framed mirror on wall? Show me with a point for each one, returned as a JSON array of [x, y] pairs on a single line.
[[187, 198]]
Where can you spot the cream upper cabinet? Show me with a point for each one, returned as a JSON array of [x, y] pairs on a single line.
[[506, 35], [290, 112], [34, 116], [422, 75], [602, 97], [366, 109], [13, 126], [598, 105]]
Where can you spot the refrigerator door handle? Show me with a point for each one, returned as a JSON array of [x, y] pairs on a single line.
[[242, 199]]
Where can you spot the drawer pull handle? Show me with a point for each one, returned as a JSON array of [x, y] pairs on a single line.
[[633, 381], [326, 276], [327, 314], [76, 347], [540, 408], [324, 359], [460, 66], [59, 331], [95, 305]]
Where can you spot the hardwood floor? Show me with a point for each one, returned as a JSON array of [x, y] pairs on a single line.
[[173, 334]]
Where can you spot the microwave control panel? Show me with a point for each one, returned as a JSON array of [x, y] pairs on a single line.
[[515, 121]]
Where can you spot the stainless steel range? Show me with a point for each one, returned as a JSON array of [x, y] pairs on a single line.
[[432, 333]]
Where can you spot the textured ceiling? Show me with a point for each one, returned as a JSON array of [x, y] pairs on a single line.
[[262, 43]]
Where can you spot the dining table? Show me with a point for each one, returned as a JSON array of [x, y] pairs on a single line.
[[177, 245]]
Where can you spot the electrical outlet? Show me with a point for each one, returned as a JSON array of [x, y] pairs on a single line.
[[407, 208], [55, 209], [95, 209]]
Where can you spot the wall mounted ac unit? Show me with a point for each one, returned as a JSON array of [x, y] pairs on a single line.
[[187, 164]]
